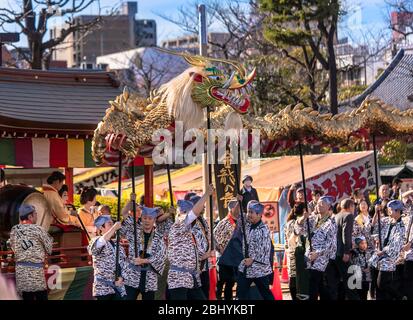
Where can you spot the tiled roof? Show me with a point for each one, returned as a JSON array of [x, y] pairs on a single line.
[[53, 102], [394, 85]]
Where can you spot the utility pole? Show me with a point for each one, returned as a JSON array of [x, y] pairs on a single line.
[[203, 52]]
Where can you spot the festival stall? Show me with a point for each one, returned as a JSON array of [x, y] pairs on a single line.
[[47, 120]]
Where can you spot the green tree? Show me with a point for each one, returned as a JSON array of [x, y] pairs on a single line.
[[393, 152], [310, 25], [280, 82], [348, 92]]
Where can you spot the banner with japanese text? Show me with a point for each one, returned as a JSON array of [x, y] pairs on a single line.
[[225, 182], [98, 181], [340, 182]]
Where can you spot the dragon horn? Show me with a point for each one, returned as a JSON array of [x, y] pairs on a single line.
[[201, 61]]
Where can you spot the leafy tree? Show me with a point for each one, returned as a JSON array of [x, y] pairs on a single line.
[[310, 25], [393, 152], [349, 92]]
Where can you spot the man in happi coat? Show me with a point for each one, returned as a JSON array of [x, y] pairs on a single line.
[[201, 233], [184, 252], [31, 244], [323, 237], [407, 250], [227, 265], [108, 275], [151, 250], [393, 234], [256, 267]]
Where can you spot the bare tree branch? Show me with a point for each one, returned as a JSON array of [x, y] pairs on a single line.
[[405, 10], [33, 22]]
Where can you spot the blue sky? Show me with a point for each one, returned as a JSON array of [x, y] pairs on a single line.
[[368, 16], [363, 15]]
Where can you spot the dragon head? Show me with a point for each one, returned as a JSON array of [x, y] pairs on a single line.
[[129, 123], [213, 86]]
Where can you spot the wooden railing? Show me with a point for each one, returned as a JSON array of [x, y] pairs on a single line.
[[68, 257], [62, 257]]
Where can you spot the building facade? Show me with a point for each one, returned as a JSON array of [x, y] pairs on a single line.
[[190, 43], [357, 65], [115, 33]]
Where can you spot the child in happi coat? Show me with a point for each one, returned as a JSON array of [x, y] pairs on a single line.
[[360, 256], [106, 284]]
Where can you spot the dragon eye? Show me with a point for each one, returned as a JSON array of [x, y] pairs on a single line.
[[213, 77]]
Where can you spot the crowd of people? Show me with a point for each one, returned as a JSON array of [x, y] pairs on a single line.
[[350, 250], [171, 245], [353, 249]]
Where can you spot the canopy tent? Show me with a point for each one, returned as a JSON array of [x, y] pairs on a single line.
[[270, 175]]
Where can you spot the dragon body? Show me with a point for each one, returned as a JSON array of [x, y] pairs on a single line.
[[131, 121]]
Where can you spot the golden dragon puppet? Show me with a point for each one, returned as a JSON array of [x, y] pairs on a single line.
[[130, 121]]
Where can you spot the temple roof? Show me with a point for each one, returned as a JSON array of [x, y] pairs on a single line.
[[62, 103], [394, 86]]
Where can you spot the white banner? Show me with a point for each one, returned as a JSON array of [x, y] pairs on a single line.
[[341, 182]]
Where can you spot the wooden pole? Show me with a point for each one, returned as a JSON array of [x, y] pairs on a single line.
[[211, 207], [171, 195], [305, 191], [148, 174], [117, 269], [376, 174], [237, 185], [135, 236], [203, 52]]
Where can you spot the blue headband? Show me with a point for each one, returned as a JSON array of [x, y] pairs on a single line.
[[151, 212], [194, 199], [185, 205], [395, 205], [101, 220], [255, 206], [232, 203], [327, 199], [25, 210], [359, 239]]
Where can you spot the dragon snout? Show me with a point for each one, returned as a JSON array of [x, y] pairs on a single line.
[[114, 141], [119, 142]]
